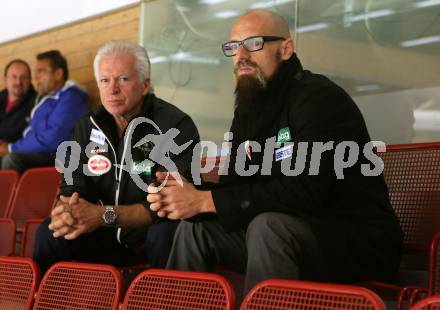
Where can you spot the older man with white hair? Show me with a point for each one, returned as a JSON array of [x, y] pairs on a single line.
[[102, 214]]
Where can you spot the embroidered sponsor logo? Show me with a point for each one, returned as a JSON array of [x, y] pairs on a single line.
[[99, 164], [284, 152], [98, 150], [284, 135], [97, 136], [145, 167]]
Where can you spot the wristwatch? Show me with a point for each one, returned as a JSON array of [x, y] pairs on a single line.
[[109, 216]]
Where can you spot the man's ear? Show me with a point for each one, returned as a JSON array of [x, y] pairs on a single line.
[[287, 49], [59, 73], [147, 85]]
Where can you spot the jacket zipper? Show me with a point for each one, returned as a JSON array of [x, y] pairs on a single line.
[[118, 179]]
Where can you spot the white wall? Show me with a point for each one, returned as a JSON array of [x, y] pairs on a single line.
[[20, 18]]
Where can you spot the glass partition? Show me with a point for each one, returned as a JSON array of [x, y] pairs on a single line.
[[384, 53]]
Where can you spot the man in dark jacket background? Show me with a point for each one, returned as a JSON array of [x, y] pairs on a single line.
[[16, 100], [275, 221]]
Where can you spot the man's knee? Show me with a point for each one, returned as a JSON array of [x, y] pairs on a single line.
[[265, 224]]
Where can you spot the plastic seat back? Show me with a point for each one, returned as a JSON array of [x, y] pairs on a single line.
[[35, 195], [429, 303], [292, 294], [178, 290], [79, 286], [412, 174], [28, 238], [8, 182], [18, 281], [7, 236]]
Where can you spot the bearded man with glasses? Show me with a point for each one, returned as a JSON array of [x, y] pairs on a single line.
[[313, 225]]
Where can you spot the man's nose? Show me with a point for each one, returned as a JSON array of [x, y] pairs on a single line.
[[241, 53], [114, 86]]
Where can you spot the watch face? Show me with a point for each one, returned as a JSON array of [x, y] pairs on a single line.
[[109, 216]]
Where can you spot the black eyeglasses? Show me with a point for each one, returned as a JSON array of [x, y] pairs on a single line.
[[251, 44]]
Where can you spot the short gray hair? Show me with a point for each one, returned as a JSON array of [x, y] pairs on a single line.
[[120, 47]]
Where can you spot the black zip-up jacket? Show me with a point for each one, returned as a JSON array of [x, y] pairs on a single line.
[[97, 136], [352, 217], [16, 120]]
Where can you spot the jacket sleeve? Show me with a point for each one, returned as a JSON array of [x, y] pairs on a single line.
[[320, 115], [57, 127], [183, 160], [75, 180]]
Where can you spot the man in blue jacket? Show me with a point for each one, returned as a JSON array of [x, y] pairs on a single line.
[[60, 103]]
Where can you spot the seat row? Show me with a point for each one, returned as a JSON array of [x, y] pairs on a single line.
[[412, 174], [8, 244], [30, 196], [82, 286]]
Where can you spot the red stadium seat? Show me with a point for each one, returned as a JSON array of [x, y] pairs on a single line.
[[429, 303], [292, 294], [178, 290], [35, 195], [412, 174], [79, 286], [18, 282], [28, 239], [8, 181], [7, 239]]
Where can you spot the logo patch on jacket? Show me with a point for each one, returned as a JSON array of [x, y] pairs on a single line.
[[97, 136], [284, 135], [142, 168], [284, 152], [97, 150], [99, 165]]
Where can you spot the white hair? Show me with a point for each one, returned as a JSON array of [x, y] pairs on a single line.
[[119, 47]]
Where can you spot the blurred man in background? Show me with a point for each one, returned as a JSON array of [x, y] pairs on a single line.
[[60, 103], [16, 100]]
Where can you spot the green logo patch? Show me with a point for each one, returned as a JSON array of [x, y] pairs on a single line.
[[142, 168], [284, 135]]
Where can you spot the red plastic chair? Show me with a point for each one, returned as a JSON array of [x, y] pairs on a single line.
[[434, 274], [412, 174], [7, 236], [178, 290], [79, 286], [8, 182], [35, 195], [292, 294], [429, 303], [28, 239], [19, 278]]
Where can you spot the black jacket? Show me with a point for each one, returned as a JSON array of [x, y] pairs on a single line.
[[351, 217], [117, 187], [16, 120]]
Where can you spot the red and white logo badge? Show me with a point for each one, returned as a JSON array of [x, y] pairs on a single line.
[[99, 164]]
